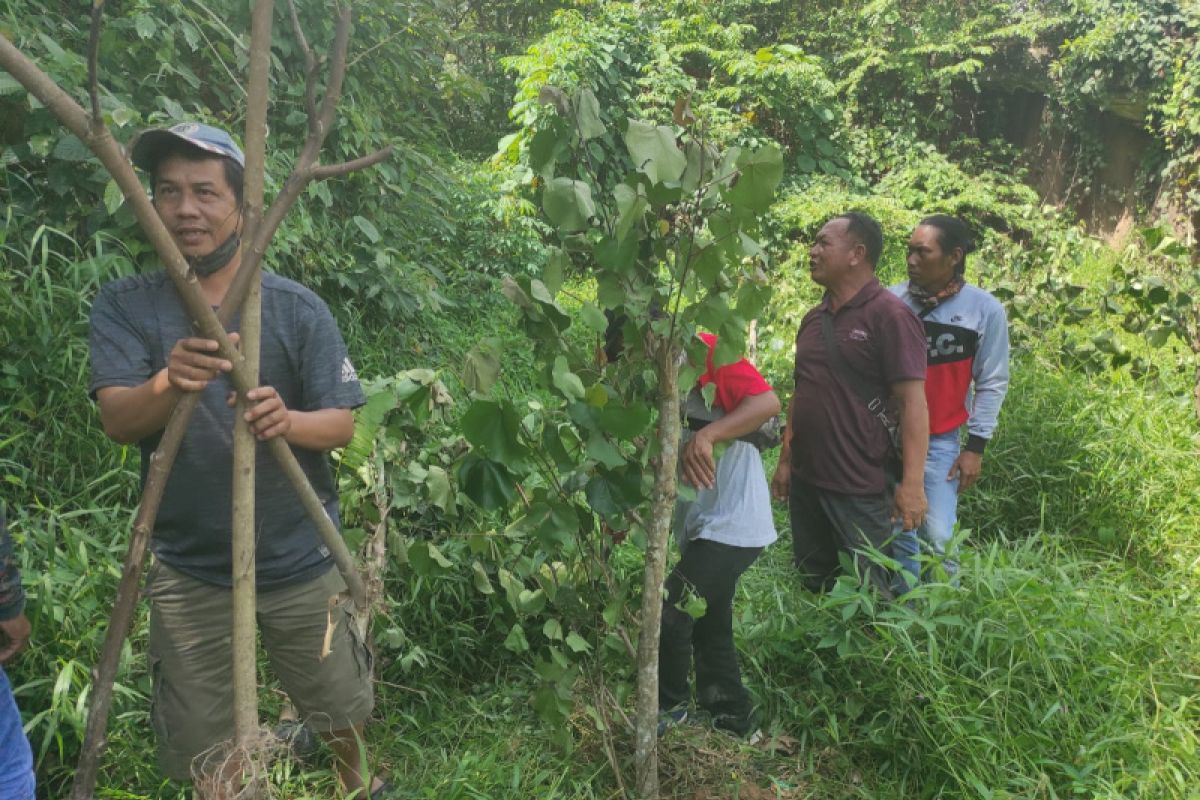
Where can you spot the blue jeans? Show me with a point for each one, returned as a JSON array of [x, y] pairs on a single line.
[[938, 528], [16, 759]]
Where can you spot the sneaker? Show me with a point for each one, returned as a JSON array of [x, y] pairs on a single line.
[[669, 719], [384, 791], [738, 727]]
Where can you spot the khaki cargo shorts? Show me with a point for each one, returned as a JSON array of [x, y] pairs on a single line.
[[191, 670]]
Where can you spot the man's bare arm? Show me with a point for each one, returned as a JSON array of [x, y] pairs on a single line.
[[699, 467], [131, 413], [781, 481], [910, 500]]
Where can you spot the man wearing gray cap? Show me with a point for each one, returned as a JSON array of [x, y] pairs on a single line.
[[144, 357]]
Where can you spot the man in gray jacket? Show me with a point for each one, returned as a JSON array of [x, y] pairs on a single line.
[[967, 335]]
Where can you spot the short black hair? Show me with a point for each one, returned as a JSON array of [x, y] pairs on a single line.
[[863, 227], [952, 233], [235, 175]]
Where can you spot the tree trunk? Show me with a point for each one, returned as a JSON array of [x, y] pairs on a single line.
[[245, 446], [1196, 380], [666, 465], [245, 450]]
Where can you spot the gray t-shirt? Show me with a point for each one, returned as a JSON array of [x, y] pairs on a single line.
[[737, 511], [135, 322]]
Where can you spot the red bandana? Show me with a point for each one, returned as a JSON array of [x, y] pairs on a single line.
[[929, 300]]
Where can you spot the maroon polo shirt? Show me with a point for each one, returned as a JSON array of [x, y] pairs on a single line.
[[836, 444]]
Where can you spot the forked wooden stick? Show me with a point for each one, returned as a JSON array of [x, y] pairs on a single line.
[[93, 133]]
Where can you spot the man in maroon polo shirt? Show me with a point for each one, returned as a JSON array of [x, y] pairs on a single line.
[[833, 467]]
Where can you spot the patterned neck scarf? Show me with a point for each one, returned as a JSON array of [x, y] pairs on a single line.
[[932, 299]]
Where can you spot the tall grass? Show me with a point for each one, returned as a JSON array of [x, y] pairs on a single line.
[[1102, 459], [1068, 662], [1048, 674]]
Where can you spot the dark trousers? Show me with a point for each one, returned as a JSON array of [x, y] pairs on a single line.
[[709, 570], [825, 524]]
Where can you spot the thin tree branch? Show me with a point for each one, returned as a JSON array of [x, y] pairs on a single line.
[[324, 171], [337, 66], [234, 40], [381, 43], [310, 66], [93, 60]]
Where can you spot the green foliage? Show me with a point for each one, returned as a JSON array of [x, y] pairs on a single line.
[[664, 224], [185, 61], [517, 514], [1049, 673], [1178, 117]]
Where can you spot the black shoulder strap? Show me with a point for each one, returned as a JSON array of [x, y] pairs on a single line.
[[843, 370]]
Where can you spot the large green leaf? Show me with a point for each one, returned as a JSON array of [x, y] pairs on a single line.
[[568, 203], [604, 451], [587, 115], [615, 491], [513, 291], [759, 172], [654, 151], [368, 228], [611, 291], [618, 255], [489, 484], [441, 492], [557, 263], [546, 147], [566, 381], [426, 559], [494, 429], [480, 578], [593, 318], [707, 260], [625, 422], [516, 641], [752, 298], [556, 448], [632, 205], [731, 342], [724, 229], [368, 419], [702, 163], [554, 524], [482, 365]]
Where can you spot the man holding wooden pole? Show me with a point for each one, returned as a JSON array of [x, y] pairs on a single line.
[[145, 356]]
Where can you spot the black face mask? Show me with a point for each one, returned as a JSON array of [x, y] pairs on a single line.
[[206, 265]]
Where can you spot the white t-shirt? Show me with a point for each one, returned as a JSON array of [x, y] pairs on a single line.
[[737, 511]]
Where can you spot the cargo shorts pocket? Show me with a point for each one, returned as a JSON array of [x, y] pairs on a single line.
[[360, 647], [158, 722]]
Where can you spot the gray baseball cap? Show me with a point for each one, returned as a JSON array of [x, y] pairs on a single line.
[[149, 146]]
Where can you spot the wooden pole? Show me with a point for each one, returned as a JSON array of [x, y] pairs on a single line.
[[245, 445], [256, 239]]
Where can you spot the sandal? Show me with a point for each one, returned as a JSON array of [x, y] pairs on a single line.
[[383, 791]]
